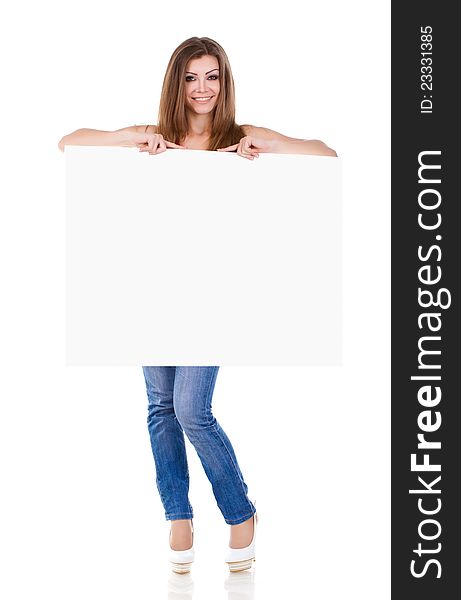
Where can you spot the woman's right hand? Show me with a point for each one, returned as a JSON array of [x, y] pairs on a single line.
[[131, 137], [154, 143]]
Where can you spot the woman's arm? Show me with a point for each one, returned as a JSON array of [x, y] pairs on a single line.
[[282, 144], [128, 136]]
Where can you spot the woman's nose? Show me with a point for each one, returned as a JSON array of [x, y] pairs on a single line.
[[201, 86]]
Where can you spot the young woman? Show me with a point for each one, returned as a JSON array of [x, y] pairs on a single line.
[[197, 111]]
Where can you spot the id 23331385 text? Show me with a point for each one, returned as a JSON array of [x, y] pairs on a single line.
[[426, 69]]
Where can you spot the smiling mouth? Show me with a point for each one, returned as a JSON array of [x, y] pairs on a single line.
[[203, 99]]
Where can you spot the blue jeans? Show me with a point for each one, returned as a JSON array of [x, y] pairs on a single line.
[[179, 401]]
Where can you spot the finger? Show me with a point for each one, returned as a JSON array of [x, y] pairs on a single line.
[[158, 146], [173, 145], [229, 148], [249, 150], [159, 150], [244, 155], [243, 152], [161, 147]]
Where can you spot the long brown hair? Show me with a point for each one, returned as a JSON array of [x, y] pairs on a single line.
[[172, 118]]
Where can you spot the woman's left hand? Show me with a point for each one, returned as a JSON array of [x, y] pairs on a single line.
[[249, 147]]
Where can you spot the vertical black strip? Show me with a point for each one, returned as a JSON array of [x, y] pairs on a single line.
[[425, 129]]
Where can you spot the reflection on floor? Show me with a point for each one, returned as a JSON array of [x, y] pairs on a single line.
[[239, 586]]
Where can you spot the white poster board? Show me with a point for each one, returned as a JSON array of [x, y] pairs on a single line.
[[203, 258]]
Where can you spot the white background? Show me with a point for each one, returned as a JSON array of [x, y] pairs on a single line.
[[80, 515]]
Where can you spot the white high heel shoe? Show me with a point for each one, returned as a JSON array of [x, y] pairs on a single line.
[[240, 559], [181, 560]]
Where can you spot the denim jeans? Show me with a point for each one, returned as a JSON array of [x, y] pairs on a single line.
[[179, 401]]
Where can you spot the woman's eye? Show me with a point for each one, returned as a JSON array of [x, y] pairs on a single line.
[[191, 78]]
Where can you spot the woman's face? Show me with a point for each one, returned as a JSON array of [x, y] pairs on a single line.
[[202, 84]]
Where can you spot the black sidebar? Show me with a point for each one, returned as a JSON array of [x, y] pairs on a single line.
[[426, 269]]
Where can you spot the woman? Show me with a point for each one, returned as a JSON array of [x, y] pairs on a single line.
[[197, 111]]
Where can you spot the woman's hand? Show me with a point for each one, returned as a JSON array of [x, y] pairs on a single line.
[[153, 143], [249, 147], [130, 137]]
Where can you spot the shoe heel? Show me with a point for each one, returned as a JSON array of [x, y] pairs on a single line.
[[241, 565], [181, 568], [241, 559], [181, 560]]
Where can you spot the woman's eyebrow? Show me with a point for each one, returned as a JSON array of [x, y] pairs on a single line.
[[190, 72]]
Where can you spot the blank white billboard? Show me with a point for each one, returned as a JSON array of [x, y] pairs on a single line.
[[202, 258]]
